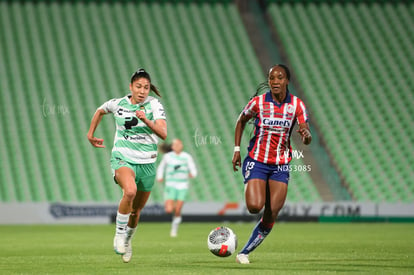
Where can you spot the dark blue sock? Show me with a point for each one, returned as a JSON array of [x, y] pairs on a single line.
[[260, 231]]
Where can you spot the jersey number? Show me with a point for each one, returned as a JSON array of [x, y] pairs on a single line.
[[250, 165], [130, 121]]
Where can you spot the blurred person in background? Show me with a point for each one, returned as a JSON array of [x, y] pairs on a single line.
[[140, 122], [266, 167], [176, 168]]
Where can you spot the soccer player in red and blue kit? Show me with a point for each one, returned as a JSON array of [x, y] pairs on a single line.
[[266, 167]]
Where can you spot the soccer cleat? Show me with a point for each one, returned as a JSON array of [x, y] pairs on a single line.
[[119, 243], [173, 233], [128, 252], [242, 258]]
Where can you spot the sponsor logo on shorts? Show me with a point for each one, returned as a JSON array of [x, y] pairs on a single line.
[[247, 174]]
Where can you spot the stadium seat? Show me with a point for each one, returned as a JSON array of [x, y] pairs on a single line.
[[357, 53]]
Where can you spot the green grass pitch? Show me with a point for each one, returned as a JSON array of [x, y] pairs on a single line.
[[291, 248]]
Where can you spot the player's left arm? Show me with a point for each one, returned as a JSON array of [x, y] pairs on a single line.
[[159, 124], [302, 120], [304, 131]]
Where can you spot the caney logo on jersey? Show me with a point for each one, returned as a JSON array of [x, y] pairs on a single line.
[[276, 122]]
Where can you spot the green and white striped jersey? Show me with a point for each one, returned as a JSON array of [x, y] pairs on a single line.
[[134, 141], [177, 169]]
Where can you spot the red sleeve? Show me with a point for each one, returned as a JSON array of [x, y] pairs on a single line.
[[301, 113], [251, 107]]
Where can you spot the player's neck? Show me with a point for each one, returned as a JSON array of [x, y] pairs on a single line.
[[280, 97]]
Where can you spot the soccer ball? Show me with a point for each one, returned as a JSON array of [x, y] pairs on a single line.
[[222, 241]]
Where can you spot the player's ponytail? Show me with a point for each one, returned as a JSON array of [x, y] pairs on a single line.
[[155, 90], [261, 89]]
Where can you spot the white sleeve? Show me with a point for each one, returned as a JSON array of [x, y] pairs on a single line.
[[158, 110], [191, 166], [161, 168], [109, 106]]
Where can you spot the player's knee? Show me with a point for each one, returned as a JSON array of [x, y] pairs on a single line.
[[129, 193], [254, 208], [168, 209]]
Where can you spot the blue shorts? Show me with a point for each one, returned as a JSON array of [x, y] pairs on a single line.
[[253, 169]]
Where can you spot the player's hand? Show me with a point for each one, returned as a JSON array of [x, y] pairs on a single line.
[[236, 161], [306, 135], [160, 180], [96, 142], [140, 115]]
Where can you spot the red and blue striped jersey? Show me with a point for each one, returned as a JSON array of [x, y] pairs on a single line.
[[274, 123]]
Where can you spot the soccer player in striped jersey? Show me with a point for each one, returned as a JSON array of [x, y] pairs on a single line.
[[140, 121], [266, 167], [176, 167]]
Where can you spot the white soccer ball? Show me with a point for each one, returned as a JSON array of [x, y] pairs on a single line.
[[222, 241]]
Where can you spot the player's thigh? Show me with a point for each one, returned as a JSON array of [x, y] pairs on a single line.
[[145, 176], [255, 194], [125, 177], [278, 192], [181, 194], [170, 193], [123, 172]]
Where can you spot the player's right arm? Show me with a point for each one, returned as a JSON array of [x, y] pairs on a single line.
[[96, 119], [249, 111], [240, 125]]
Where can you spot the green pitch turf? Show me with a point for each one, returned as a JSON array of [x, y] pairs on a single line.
[[291, 248]]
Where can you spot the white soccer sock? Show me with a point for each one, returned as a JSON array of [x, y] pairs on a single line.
[[121, 222], [176, 222], [130, 232]]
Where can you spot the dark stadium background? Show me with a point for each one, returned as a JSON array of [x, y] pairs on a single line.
[[351, 63]]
